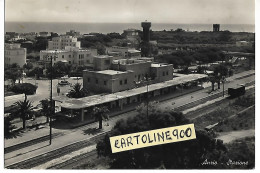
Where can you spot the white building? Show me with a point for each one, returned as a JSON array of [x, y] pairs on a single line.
[[14, 54], [70, 55], [62, 41]]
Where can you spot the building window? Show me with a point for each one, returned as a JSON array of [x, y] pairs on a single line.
[[167, 73], [125, 81], [96, 81], [121, 82], [69, 62], [88, 79], [163, 73], [62, 56], [105, 82]]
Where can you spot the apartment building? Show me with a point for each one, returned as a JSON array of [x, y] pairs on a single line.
[[70, 55], [59, 43], [14, 54]]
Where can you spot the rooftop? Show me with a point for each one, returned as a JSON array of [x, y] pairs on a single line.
[[159, 65], [111, 72], [102, 56], [133, 51]]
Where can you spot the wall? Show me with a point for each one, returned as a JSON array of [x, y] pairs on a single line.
[[102, 62], [112, 81], [162, 73], [139, 68]]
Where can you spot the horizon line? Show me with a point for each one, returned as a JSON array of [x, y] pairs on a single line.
[[131, 22]]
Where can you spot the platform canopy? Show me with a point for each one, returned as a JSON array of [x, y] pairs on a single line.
[[81, 103]]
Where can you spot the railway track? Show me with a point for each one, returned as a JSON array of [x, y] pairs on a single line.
[[203, 100], [30, 143], [75, 161], [43, 158], [207, 109]]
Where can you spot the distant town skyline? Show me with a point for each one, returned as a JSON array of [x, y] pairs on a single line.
[[132, 11]]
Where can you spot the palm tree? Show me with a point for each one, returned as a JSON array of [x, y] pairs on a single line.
[[77, 91], [46, 109], [100, 113], [23, 110]]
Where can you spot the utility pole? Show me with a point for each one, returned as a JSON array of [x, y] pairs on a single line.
[[147, 101], [51, 104]]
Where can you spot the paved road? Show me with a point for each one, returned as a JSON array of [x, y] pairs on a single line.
[[43, 90]]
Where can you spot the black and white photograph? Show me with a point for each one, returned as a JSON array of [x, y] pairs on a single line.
[[128, 85]]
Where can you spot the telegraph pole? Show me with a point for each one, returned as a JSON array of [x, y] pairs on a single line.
[[51, 104]]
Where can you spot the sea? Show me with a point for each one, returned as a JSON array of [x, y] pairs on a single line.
[[85, 28]]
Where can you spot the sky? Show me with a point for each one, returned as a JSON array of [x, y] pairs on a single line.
[[132, 11]]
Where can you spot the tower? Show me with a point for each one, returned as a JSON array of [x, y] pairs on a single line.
[[216, 27], [146, 31]]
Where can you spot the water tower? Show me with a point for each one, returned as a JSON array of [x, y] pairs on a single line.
[[216, 27], [146, 31]]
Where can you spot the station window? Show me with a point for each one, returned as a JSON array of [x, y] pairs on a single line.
[[96, 81], [105, 82], [88, 79], [62, 56], [163, 74], [167, 73], [121, 82], [125, 81]]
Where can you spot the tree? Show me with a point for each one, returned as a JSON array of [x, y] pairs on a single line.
[[77, 91], [100, 113], [180, 155], [24, 88], [13, 72], [46, 109], [23, 110], [59, 69], [28, 66], [101, 50], [37, 71], [219, 71], [225, 36]]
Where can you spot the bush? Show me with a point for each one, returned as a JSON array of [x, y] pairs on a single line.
[[24, 88]]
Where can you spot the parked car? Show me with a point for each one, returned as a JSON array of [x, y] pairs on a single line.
[[64, 82]]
